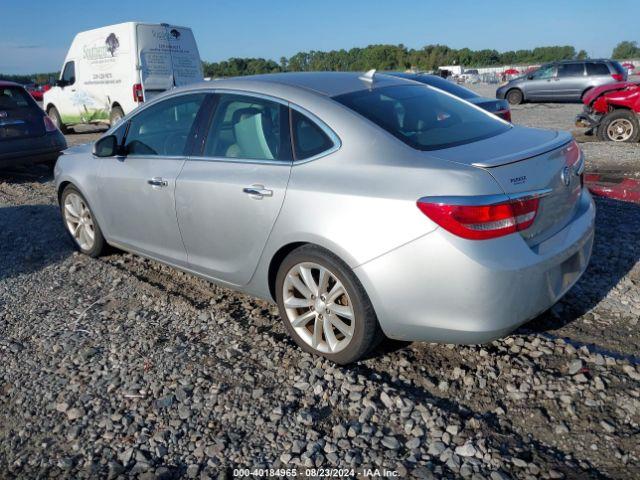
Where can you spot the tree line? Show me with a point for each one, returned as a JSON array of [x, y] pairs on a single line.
[[389, 57], [383, 57]]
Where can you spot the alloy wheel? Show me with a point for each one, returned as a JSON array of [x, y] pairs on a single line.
[[620, 130], [79, 221], [319, 308]]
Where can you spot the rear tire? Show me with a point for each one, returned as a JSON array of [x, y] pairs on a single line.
[[53, 114], [619, 126], [325, 313], [80, 223], [116, 115], [514, 96]]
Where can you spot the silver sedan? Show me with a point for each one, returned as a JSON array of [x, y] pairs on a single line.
[[364, 205]]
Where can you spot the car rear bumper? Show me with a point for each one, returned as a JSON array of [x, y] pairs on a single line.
[[441, 288], [31, 150]]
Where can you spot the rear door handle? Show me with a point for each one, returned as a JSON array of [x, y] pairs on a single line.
[[158, 182], [257, 191]]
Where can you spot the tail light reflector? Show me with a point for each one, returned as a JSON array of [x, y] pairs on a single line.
[[138, 95], [618, 77], [505, 115], [481, 222], [49, 126]]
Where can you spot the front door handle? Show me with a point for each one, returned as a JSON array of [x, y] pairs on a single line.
[[257, 191], [158, 182]]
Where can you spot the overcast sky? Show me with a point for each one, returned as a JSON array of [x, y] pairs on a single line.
[[35, 36]]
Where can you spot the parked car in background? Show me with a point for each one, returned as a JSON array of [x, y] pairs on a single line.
[[612, 112], [111, 70], [497, 107], [35, 91], [362, 205], [565, 81], [27, 135]]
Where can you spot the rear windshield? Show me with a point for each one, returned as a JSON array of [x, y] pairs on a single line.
[[617, 67], [12, 98], [422, 117]]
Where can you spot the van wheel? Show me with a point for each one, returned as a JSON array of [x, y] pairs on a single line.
[[116, 115], [324, 306], [53, 114], [514, 97], [619, 126]]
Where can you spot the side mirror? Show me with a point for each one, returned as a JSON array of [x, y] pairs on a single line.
[[530, 76], [106, 147], [61, 83]]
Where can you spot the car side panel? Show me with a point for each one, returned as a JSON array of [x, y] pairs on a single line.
[[358, 205]]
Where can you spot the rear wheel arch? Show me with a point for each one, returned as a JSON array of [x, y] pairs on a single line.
[[279, 256], [276, 261]]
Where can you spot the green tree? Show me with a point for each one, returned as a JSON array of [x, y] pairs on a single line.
[[626, 50]]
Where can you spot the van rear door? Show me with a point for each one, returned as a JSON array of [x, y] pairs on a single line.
[[168, 58]]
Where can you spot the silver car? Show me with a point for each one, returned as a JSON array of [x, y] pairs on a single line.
[[364, 205], [565, 81]]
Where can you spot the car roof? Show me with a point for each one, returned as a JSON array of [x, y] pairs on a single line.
[[592, 60], [328, 84], [6, 83]]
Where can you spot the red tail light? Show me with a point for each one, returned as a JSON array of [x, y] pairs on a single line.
[[481, 222], [49, 126], [505, 115], [618, 77], [138, 95]]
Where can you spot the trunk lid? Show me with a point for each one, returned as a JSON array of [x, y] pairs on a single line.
[[20, 117], [530, 160], [489, 104]]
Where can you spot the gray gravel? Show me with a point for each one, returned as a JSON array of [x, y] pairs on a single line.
[[121, 367]]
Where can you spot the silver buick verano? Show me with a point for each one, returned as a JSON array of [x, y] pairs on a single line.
[[362, 204]]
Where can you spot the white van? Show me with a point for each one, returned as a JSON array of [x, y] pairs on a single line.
[[111, 70]]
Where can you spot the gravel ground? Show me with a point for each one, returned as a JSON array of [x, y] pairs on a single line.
[[121, 367]]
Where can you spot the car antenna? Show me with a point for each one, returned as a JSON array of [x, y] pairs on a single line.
[[368, 77]]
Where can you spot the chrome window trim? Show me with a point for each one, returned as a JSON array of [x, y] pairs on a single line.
[[337, 143], [257, 161], [485, 200]]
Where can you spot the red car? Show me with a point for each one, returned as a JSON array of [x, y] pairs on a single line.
[[611, 111]]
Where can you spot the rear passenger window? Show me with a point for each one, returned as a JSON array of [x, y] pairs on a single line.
[[570, 69], [249, 128], [308, 138], [597, 69]]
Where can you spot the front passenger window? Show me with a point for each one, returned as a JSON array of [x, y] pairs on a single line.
[[69, 73], [543, 73], [164, 128]]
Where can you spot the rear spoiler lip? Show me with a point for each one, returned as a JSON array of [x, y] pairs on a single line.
[[559, 141]]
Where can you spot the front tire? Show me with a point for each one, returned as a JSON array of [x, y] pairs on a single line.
[[619, 126], [514, 97], [324, 306], [80, 223], [54, 115]]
